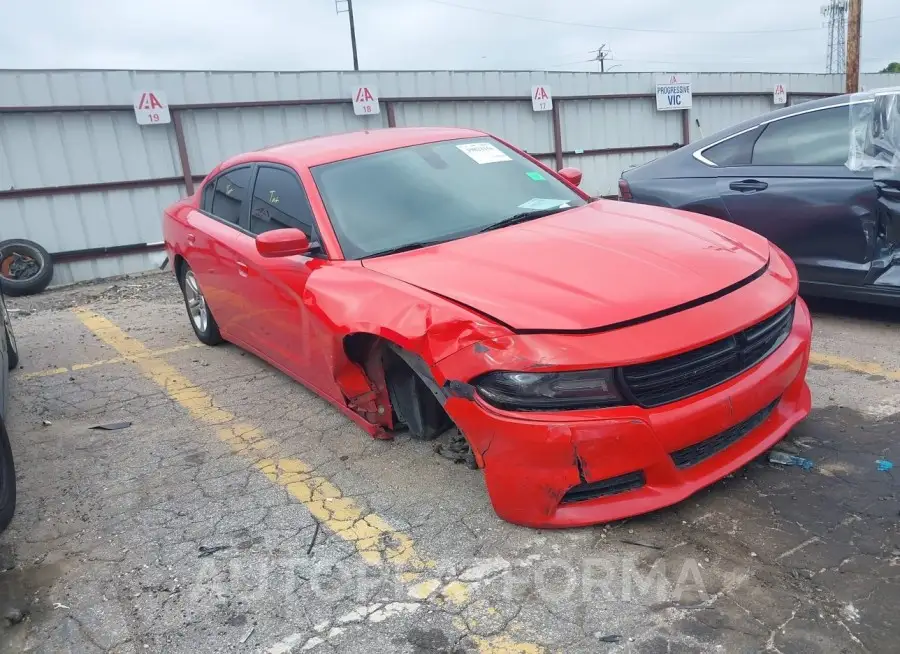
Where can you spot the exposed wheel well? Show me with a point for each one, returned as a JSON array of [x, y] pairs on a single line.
[[358, 346], [415, 397]]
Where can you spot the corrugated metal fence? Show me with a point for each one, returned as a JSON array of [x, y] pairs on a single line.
[[78, 174]]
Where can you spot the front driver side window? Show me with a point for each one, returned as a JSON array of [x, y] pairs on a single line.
[[279, 201]]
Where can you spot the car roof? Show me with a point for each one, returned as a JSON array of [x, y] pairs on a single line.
[[326, 149]]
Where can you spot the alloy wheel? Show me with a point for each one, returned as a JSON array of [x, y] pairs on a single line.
[[196, 303]]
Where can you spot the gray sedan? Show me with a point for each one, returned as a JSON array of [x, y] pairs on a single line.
[[784, 175]]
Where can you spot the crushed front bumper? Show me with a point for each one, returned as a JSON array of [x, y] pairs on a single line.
[[586, 467]]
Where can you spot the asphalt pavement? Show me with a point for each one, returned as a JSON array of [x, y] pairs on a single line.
[[226, 508]]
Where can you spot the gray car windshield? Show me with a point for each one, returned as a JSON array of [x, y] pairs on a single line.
[[424, 194]]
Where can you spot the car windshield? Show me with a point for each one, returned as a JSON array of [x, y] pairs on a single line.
[[424, 194]]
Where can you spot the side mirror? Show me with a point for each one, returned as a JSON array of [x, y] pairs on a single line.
[[282, 243], [571, 175]]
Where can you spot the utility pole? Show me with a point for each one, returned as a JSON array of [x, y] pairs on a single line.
[[854, 32], [602, 54], [346, 7], [352, 34]]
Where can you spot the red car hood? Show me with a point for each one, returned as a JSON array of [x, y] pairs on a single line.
[[589, 267]]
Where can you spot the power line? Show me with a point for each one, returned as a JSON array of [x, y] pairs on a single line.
[[634, 29], [572, 63], [746, 60], [711, 58]]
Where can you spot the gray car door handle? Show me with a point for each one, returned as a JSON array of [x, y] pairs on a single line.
[[748, 185]]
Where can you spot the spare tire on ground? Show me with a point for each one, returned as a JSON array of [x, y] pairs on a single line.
[[25, 267]]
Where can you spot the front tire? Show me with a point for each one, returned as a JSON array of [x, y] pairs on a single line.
[[199, 313], [7, 480], [415, 406]]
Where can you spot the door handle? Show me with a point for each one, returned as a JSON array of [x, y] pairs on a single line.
[[748, 185], [243, 269], [191, 239]]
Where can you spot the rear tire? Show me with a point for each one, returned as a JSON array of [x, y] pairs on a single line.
[[199, 314], [7, 480]]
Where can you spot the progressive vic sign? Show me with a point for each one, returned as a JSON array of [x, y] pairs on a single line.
[[673, 93]]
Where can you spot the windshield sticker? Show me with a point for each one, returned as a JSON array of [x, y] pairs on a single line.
[[539, 204], [483, 153], [536, 176]]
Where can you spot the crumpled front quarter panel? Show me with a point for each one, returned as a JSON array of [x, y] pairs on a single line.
[[348, 298]]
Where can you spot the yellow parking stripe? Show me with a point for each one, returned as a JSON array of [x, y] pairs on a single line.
[[373, 537], [324, 500], [852, 365], [44, 373], [105, 362]]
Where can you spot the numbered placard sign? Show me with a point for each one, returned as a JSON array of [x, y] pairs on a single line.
[[151, 108], [779, 95], [541, 99], [365, 101]]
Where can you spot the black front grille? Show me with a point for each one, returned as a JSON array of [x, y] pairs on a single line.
[[668, 380], [611, 486], [694, 454]]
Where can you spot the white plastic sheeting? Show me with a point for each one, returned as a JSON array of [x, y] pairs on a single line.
[[875, 130]]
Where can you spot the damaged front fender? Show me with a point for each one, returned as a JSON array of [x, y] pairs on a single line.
[[362, 311]]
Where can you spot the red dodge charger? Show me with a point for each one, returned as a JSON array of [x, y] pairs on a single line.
[[602, 359]]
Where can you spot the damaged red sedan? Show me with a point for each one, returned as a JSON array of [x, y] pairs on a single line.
[[602, 359]]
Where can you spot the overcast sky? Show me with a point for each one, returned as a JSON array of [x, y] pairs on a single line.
[[666, 35]]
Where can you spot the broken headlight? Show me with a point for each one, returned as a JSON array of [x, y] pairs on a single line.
[[549, 391]]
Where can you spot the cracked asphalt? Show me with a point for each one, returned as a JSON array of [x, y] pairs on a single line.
[[239, 512]]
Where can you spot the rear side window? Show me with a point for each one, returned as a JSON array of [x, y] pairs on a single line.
[[208, 192], [230, 195], [279, 201], [736, 151], [818, 138]]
